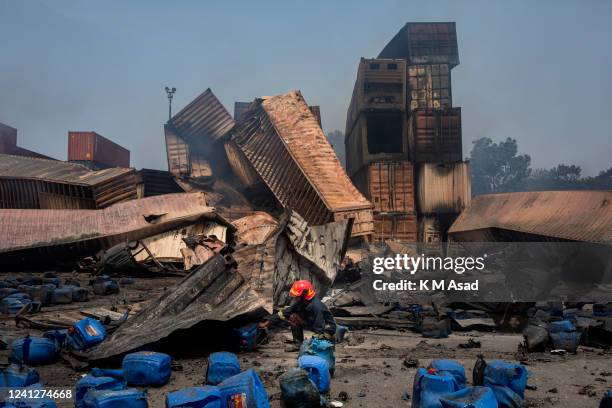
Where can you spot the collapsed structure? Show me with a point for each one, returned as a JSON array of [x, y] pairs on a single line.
[[403, 136]]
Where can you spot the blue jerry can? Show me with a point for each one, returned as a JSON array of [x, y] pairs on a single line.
[[322, 348], [247, 336], [508, 382], [17, 376], [452, 367], [561, 326], [318, 371], [147, 368], [430, 385], [86, 333], [33, 351], [244, 390], [221, 365], [61, 296], [89, 382], [207, 396], [11, 306], [128, 398], [471, 397]]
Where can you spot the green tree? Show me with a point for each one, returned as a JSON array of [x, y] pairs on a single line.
[[496, 167]]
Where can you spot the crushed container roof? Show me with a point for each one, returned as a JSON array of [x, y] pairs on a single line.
[[569, 215], [21, 167]]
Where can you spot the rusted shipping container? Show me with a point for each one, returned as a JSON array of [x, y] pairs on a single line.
[[241, 167], [380, 85], [429, 86], [177, 151], [152, 182], [38, 183], [443, 188], [95, 148], [388, 185], [398, 227], [284, 143], [435, 135], [376, 136], [425, 43]]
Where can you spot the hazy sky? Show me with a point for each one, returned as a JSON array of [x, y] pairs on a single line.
[[538, 71]]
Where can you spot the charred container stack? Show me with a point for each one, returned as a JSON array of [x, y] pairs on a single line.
[[403, 136]]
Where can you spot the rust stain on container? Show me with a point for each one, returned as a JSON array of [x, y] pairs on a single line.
[[37, 183], [91, 146], [284, 143], [435, 135], [558, 215]]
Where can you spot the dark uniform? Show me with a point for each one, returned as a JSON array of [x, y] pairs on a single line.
[[314, 315]]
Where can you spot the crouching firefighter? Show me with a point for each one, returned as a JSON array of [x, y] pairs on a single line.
[[307, 311]]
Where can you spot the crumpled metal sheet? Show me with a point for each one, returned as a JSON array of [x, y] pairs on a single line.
[[85, 231], [218, 291], [255, 228]]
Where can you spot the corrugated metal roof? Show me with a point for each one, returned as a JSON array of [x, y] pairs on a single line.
[[127, 221], [203, 118], [20, 167], [568, 215], [310, 148]]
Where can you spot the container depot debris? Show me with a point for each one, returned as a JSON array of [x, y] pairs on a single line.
[[55, 232], [218, 291], [285, 146], [584, 216], [51, 184], [254, 229]]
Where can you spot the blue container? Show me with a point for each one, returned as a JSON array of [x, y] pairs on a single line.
[[61, 296], [59, 336], [221, 365], [55, 281], [244, 390], [108, 287], [321, 348], [606, 401], [10, 306], [33, 351], [4, 292], [247, 336], [428, 387], [86, 333], [318, 371], [128, 398], [561, 326], [147, 368], [508, 382], [79, 294], [298, 391], [568, 341], [17, 376], [206, 396], [19, 296], [472, 397], [452, 367], [30, 280], [89, 382]]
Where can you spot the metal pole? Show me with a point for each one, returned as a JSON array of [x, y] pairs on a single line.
[[170, 94]]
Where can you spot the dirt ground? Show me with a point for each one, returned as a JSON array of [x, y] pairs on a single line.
[[369, 365]]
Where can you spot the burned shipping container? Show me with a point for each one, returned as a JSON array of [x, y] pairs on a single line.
[[429, 86], [38, 183], [152, 182], [435, 136], [284, 144], [95, 151], [424, 43], [443, 188], [397, 227], [388, 185]]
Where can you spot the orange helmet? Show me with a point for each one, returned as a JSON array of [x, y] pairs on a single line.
[[298, 288]]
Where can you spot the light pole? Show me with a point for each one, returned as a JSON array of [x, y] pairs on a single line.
[[170, 93]]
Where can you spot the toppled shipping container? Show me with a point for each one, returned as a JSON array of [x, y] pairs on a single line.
[[191, 137], [217, 291], [95, 151], [152, 182], [584, 216], [424, 43], [50, 184], [283, 143], [30, 235]]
